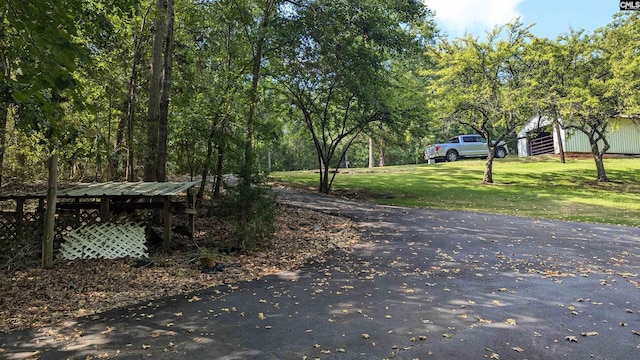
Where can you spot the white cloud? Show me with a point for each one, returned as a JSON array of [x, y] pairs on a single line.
[[459, 16]]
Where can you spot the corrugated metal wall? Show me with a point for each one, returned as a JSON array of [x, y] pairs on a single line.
[[624, 138]]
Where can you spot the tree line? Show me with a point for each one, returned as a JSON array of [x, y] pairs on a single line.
[[145, 89]]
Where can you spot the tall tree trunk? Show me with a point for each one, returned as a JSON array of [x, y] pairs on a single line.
[[321, 168], [155, 92], [4, 110], [370, 152], [4, 113], [556, 127], [253, 100], [598, 157], [130, 173], [488, 168], [208, 158], [221, 147], [163, 125], [381, 154], [324, 183], [249, 156], [138, 41], [218, 131], [129, 112], [205, 167], [110, 171], [117, 159], [50, 216], [602, 173]]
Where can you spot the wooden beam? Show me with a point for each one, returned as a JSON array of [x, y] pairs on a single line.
[[115, 206]]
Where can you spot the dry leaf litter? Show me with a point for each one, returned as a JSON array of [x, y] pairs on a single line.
[[35, 297]]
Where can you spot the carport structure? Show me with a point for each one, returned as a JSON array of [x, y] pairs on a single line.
[[103, 201]]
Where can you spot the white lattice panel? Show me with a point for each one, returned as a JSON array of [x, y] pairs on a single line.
[[106, 241]]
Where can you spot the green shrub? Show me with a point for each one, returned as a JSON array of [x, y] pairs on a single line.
[[251, 213]]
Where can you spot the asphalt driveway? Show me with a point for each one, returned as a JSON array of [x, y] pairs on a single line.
[[426, 284]]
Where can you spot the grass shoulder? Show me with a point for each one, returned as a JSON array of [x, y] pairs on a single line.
[[540, 187]]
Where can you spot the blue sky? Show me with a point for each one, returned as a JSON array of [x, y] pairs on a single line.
[[552, 17]]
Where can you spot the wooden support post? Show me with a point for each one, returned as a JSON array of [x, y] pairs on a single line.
[[104, 209], [78, 221], [50, 216], [19, 218], [166, 218]]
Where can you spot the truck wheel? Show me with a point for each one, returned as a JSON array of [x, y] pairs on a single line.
[[501, 153], [452, 155]]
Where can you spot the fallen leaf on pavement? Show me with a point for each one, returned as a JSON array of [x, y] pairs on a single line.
[[590, 333]]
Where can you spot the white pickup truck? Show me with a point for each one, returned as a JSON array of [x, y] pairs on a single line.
[[463, 146]]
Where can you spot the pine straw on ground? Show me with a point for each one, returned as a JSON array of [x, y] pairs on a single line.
[[37, 297]]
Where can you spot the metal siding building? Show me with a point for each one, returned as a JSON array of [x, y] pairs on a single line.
[[623, 137]]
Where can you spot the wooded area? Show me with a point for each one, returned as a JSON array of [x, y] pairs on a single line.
[[137, 90]]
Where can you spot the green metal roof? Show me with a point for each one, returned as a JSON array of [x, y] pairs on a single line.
[[114, 189]]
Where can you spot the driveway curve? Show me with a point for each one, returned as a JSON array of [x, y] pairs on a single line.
[[425, 284]]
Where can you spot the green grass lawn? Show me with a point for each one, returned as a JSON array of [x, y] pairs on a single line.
[[540, 187]]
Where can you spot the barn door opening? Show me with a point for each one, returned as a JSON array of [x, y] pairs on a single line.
[[541, 141]]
